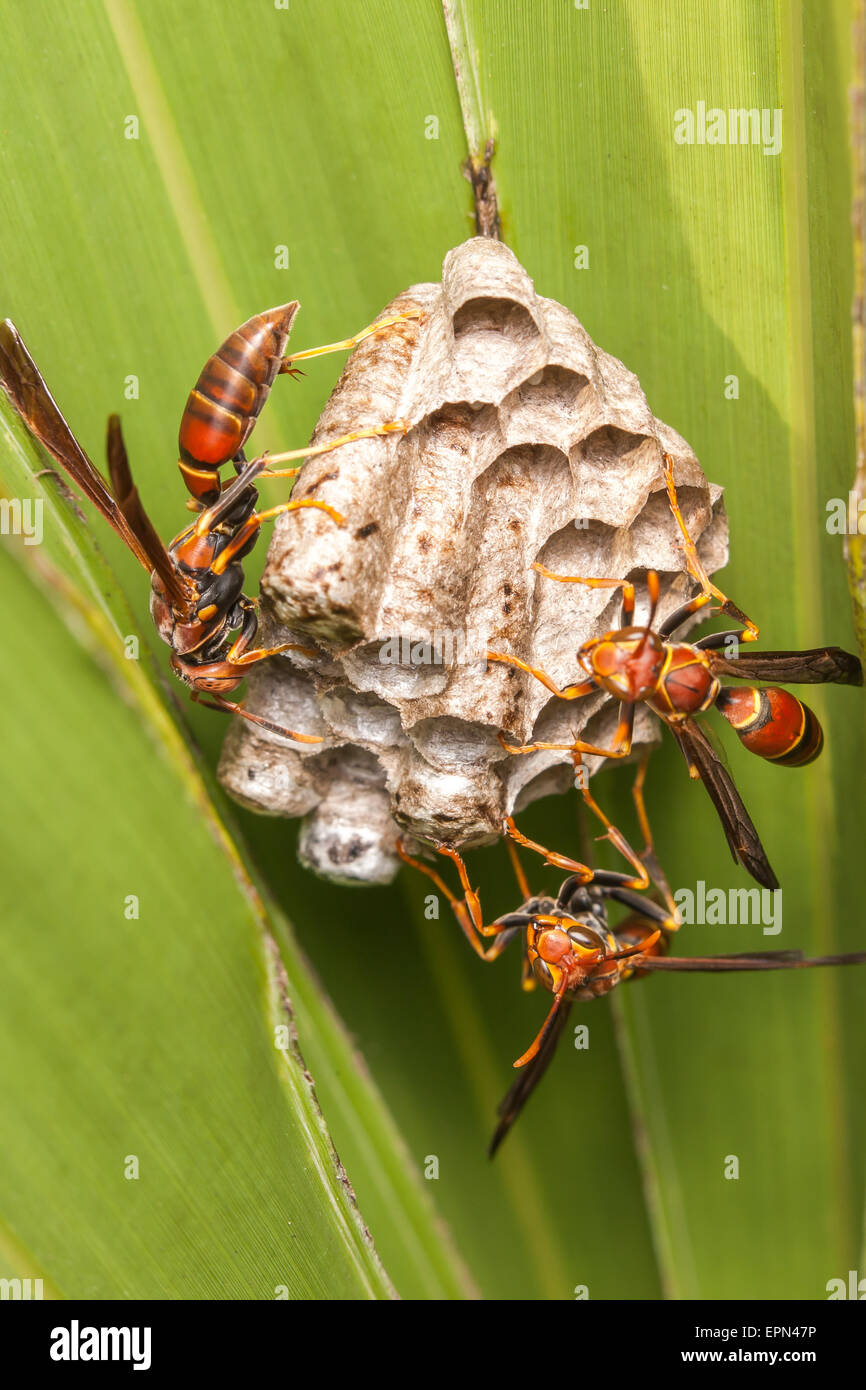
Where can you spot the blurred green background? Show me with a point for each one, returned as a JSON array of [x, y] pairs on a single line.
[[307, 127]]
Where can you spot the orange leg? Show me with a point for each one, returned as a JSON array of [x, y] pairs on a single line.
[[367, 432], [522, 881], [641, 879], [207, 520], [559, 861], [620, 748], [234, 707], [238, 657], [346, 344], [693, 562], [253, 523], [616, 837], [649, 856], [467, 909], [270, 512], [627, 588], [571, 692]]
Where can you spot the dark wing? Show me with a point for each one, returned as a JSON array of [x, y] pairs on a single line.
[[230, 494], [529, 1078], [739, 831], [758, 960], [140, 524], [26, 389], [814, 667]]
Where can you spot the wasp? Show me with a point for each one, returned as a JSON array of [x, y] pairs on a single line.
[[570, 950], [197, 599], [467, 909], [679, 680], [568, 946]]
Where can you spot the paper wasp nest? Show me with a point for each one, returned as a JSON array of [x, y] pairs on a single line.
[[527, 442]]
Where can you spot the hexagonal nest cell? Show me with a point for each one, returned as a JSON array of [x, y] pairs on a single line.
[[526, 443]]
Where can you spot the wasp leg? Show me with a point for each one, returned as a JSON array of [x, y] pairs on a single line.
[[693, 562], [312, 451], [467, 909], [522, 881], [241, 542], [627, 588], [571, 692], [679, 615], [239, 656], [346, 344], [615, 836], [207, 520], [649, 856], [559, 861], [622, 739], [218, 702]]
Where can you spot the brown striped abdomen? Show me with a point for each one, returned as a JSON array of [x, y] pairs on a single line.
[[225, 402], [773, 723]]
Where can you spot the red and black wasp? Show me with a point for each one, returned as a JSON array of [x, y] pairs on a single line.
[[197, 599], [679, 680], [572, 952], [467, 909], [569, 948]]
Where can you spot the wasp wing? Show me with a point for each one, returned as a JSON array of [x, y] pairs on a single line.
[[814, 667], [29, 394], [529, 1077], [129, 502], [236, 489], [740, 833], [758, 960]]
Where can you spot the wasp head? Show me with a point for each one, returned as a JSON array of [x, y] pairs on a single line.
[[210, 678], [627, 663], [568, 956]]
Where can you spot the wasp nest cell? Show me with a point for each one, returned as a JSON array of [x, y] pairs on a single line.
[[526, 442]]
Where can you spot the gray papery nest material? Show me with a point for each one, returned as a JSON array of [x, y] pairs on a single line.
[[527, 442]]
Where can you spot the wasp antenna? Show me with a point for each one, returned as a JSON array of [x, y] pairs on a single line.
[[652, 583], [636, 950], [544, 1030]]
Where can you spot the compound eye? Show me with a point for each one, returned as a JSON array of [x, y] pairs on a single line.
[[606, 659], [542, 973], [586, 939]]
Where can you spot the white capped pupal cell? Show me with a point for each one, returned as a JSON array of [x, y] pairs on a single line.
[[526, 443]]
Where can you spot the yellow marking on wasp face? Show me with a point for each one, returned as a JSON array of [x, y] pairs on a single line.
[[204, 614], [556, 974]]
